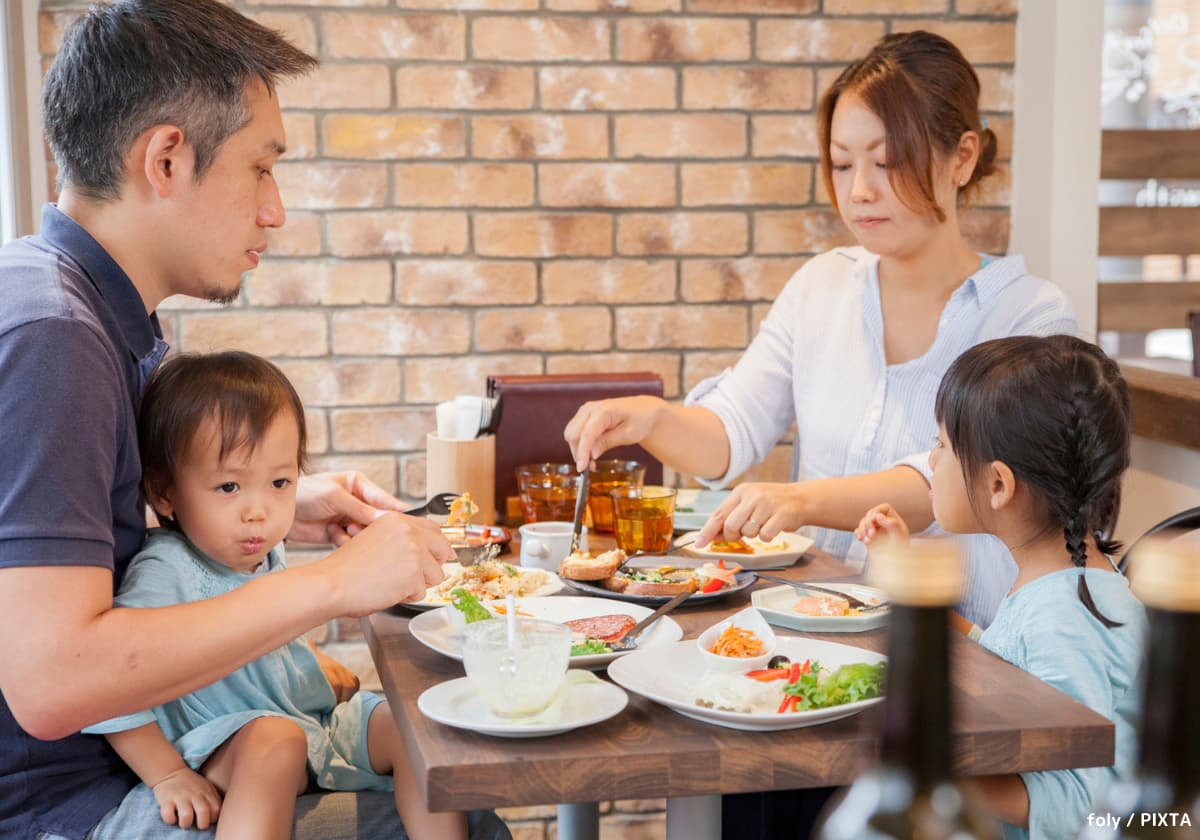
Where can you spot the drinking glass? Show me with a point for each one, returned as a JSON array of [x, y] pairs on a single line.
[[518, 679], [548, 492], [644, 518], [605, 478]]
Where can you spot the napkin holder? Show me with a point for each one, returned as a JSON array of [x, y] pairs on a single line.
[[534, 411], [463, 466]]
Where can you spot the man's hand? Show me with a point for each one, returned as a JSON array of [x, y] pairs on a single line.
[[332, 507], [395, 558], [186, 798], [342, 680]]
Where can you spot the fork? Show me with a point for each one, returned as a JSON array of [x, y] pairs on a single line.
[[630, 640], [438, 505]]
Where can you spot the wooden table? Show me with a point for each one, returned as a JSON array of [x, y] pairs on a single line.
[[1007, 721]]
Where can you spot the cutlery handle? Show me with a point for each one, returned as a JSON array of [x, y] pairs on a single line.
[[580, 504], [638, 629]]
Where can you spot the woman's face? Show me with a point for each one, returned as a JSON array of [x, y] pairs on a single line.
[[879, 220]]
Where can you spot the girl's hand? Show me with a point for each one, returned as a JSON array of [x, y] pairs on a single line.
[[882, 521], [759, 509], [186, 798]]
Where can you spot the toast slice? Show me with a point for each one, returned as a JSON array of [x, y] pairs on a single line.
[[581, 566]]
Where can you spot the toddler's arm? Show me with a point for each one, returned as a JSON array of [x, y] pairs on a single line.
[[183, 795]]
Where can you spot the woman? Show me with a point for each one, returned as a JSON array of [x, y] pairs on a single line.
[[854, 347]]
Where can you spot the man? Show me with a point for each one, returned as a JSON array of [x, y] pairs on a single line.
[[164, 124]]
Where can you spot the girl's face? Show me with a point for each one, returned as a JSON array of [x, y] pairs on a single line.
[[879, 220], [237, 509], [951, 504]]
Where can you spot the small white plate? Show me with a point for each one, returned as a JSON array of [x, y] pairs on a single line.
[[779, 553], [454, 703], [699, 504], [667, 675], [776, 604], [553, 584], [435, 630]]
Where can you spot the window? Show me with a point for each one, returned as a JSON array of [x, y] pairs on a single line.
[[22, 168], [1149, 267]]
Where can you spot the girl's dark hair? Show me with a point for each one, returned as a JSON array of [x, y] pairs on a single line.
[[129, 65], [1056, 411], [927, 96], [241, 392]]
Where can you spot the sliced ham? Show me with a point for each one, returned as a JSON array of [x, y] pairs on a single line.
[[602, 628]]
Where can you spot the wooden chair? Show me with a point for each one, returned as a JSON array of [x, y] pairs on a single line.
[[1187, 520]]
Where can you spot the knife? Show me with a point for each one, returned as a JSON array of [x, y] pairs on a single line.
[[580, 504], [855, 603], [629, 640]]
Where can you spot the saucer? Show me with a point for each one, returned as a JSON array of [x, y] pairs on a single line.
[[454, 703]]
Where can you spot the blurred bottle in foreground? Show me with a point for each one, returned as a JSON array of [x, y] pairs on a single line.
[[1163, 799], [911, 793]]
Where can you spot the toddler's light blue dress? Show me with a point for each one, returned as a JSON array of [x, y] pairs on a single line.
[[287, 682]]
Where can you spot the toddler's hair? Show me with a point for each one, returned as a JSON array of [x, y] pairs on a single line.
[[241, 392], [1056, 411]]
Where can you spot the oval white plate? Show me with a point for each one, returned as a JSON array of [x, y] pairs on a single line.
[[454, 703], [665, 675], [553, 584], [776, 605], [435, 630], [779, 553]]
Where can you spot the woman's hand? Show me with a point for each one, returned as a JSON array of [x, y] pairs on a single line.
[[342, 680], [185, 798], [757, 509], [332, 507], [882, 521], [600, 425]]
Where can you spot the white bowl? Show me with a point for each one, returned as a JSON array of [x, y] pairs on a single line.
[[748, 619]]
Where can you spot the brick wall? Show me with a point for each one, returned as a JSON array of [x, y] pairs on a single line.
[[529, 186]]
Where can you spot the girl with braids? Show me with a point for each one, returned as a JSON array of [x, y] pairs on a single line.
[[1033, 440]]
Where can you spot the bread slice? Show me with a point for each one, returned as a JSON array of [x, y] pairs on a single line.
[[671, 584], [580, 566]]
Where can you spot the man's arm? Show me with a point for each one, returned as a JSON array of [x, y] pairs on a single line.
[[114, 661]]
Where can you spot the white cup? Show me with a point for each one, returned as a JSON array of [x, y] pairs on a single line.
[[544, 545], [522, 678]]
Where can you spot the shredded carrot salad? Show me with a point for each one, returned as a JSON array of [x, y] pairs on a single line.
[[739, 642]]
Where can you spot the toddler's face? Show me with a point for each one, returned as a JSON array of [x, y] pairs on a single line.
[[238, 509]]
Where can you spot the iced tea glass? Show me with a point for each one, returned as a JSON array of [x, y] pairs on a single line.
[[548, 492], [644, 518], [603, 480]]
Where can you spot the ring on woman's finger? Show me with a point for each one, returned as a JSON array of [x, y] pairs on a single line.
[[752, 521]]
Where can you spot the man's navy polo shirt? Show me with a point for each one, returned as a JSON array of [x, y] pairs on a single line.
[[76, 346]]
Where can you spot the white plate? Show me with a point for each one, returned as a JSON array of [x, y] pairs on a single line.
[[776, 604], [553, 584], [666, 674], [779, 553], [454, 703], [701, 504], [435, 630]]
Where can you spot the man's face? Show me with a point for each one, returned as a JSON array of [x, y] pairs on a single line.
[[221, 221]]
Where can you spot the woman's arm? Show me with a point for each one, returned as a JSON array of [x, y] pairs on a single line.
[[827, 503]]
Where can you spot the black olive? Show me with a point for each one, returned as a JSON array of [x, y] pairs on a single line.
[[779, 661]]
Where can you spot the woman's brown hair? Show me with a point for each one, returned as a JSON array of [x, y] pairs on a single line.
[[927, 96], [241, 392]]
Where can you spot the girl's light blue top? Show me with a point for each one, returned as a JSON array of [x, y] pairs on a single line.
[[1044, 629]]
